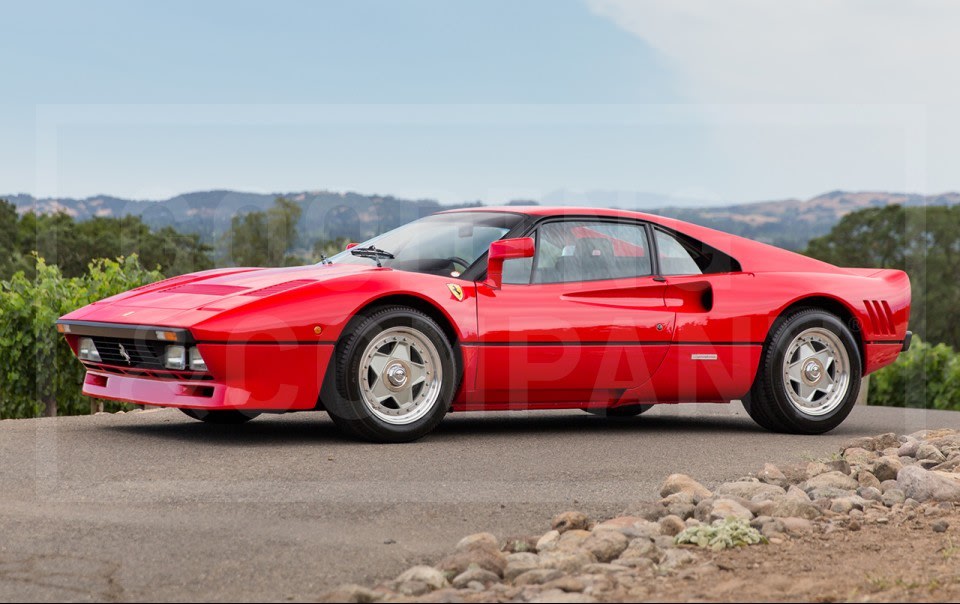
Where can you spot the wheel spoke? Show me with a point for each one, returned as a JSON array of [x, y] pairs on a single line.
[[401, 352], [417, 374], [378, 362], [403, 397], [794, 371], [806, 392], [806, 350], [825, 358], [380, 391]]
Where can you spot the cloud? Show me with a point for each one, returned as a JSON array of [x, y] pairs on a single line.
[[808, 51]]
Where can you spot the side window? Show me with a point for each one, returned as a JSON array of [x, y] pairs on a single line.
[[569, 251], [682, 255], [517, 271]]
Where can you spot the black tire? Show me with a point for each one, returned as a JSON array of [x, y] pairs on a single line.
[[224, 417], [621, 411], [345, 402], [768, 402]]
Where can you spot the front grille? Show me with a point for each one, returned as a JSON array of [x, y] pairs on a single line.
[[142, 354], [182, 376]]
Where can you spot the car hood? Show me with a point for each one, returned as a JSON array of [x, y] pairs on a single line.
[[190, 298]]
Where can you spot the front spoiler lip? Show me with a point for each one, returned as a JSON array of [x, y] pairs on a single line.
[[124, 330]]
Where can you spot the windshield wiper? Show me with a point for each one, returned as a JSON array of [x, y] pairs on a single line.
[[372, 252]]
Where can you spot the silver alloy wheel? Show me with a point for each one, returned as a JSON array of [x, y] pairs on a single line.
[[400, 375], [816, 371]]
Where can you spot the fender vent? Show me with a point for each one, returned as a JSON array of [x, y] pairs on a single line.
[[279, 287], [881, 317]]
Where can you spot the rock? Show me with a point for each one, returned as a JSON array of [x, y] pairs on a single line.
[[537, 576], [671, 525], [601, 568], [796, 526], [675, 558], [572, 540], [838, 465], [681, 483], [815, 468], [826, 493], [548, 541], [479, 575], [558, 596], [795, 492], [886, 468], [480, 552], [870, 493], [877, 443], [867, 479], [909, 448], [790, 507], [940, 526], [771, 474], [842, 505], [681, 510], [520, 543], [428, 575], [630, 526], [928, 485], [517, 564], [606, 545], [478, 540], [570, 521], [928, 452], [412, 588], [641, 548], [833, 480], [681, 498], [567, 584], [568, 562], [795, 473], [351, 593], [647, 510], [886, 485], [752, 491], [722, 509], [892, 497]]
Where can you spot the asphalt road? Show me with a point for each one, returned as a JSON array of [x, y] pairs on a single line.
[[153, 506]]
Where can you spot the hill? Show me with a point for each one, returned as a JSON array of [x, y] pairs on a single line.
[[788, 223]]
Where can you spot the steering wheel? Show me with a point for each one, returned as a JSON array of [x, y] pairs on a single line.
[[458, 260]]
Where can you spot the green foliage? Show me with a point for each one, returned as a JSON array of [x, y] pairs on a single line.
[[39, 371], [72, 245], [924, 241], [722, 534], [926, 377], [264, 238]]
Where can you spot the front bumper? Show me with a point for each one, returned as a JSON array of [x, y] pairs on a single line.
[[906, 341]]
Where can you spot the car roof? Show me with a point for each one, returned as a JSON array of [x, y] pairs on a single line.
[[561, 211]]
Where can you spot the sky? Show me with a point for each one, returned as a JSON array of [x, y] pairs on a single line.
[[636, 101]]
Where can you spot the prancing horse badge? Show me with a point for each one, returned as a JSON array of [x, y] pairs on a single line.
[[456, 290]]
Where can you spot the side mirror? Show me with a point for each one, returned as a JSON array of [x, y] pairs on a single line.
[[351, 245], [506, 249]]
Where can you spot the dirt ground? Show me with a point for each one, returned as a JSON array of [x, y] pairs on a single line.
[[903, 560]]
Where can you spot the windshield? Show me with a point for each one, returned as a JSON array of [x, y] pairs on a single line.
[[442, 244]]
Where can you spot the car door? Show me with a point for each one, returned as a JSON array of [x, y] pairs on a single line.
[[581, 321]]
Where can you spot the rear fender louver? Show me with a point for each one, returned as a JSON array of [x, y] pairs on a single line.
[[881, 317]]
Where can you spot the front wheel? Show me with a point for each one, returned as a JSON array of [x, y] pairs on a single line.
[[396, 375], [809, 376]]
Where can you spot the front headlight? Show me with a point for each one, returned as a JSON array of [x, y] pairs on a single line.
[[175, 357], [196, 361], [88, 351]]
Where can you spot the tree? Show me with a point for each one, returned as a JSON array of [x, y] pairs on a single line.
[[264, 238], [924, 241]]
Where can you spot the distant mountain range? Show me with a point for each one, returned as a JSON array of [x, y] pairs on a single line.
[[789, 223]]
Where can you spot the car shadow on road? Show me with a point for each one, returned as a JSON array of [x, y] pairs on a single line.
[[271, 430]]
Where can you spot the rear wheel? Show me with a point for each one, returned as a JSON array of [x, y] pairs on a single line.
[[396, 375], [809, 375], [226, 416], [621, 411]]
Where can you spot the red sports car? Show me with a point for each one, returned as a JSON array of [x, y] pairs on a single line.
[[607, 311]]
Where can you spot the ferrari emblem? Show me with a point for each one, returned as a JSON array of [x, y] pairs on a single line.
[[124, 354], [456, 290]]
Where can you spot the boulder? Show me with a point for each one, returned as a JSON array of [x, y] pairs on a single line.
[[886, 468], [771, 474], [681, 483], [867, 479], [605, 545], [751, 491], [470, 575], [928, 485], [570, 521], [721, 509], [428, 575], [831, 480], [791, 507]]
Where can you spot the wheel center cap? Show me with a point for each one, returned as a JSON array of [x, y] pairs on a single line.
[[396, 375], [812, 371]]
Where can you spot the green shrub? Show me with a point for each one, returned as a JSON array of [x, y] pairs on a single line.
[[39, 373], [722, 534], [926, 376]]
